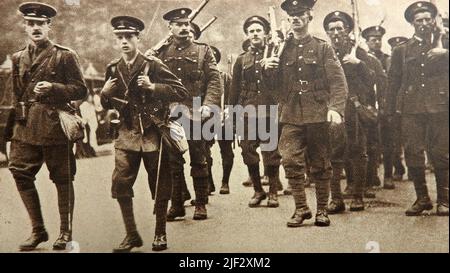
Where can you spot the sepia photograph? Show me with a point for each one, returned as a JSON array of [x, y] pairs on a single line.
[[224, 126]]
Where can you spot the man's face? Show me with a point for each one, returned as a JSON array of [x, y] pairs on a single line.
[[338, 33], [180, 30], [374, 43], [128, 42], [423, 23], [256, 34], [37, 31], [299, 21]]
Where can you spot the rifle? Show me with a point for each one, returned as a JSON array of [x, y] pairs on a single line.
[[357, 28], [278, 35], [157, 48], [437, 39], [208, 24]]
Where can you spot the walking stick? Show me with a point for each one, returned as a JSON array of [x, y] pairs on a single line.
[[158, 173]]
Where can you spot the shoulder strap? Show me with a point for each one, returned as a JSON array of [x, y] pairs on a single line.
[[201, 56]]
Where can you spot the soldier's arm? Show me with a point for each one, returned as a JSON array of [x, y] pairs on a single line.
[[106, 103], [235, 89], [380, 81], [214, 87], [167, 86], [366, 69], [395, 76], [336, 81], [74, 87]]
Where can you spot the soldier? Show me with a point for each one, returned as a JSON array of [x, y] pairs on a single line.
[[247, 88], [141, 89], [395, 41], [313, 91], [389, 129], [46, 77], [360, 80], [418, 91], [226, 145], [195, 65]]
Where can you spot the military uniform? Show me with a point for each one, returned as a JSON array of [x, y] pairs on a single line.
[[248, 89], [225, 145], [360, 79], [389, 127], [138, 138], [195, 65], [310, 81], [418, 91], [35, 131]]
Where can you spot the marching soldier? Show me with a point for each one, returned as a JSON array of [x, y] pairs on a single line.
[[389, 129], [360, 80], [248, 88], [141, 89], [46, 77], [226, 145], [313, 91], [195, 65], [395, 41], [418, 91]]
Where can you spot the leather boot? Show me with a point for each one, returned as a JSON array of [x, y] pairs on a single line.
[[39, 235], [423, 202], [159, 243], [260, 194], [273, 189], [63, 239], [225, 189], [388, 184], [442, 192], [336, 207], [248, 182], [200, 185], [35, 239], [322, 219], [300, 215], [131, 241]]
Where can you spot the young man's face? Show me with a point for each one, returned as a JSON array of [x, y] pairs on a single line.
[[374, 43], [299, 21], [337, 32], [180, 30], [37, 31], [128, 42], [256, 34], [423, 23]]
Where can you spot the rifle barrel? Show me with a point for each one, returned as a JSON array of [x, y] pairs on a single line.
[[208, 24]]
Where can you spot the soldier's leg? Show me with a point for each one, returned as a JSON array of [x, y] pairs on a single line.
[[176, 164], [414, 134], [251, 160], [292, 147], [318, 145], [357, 156], [348, 192], [373, 152], [437, 147], [126, 169], [199, 173], [399, 168], [387, 140], [272, 162], [338, 148], [226, 151], [25, 162], [160, 182], [209, 160], [61, 164]]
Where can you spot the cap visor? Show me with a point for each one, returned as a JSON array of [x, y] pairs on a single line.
[[125, 31], [39, 19]]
